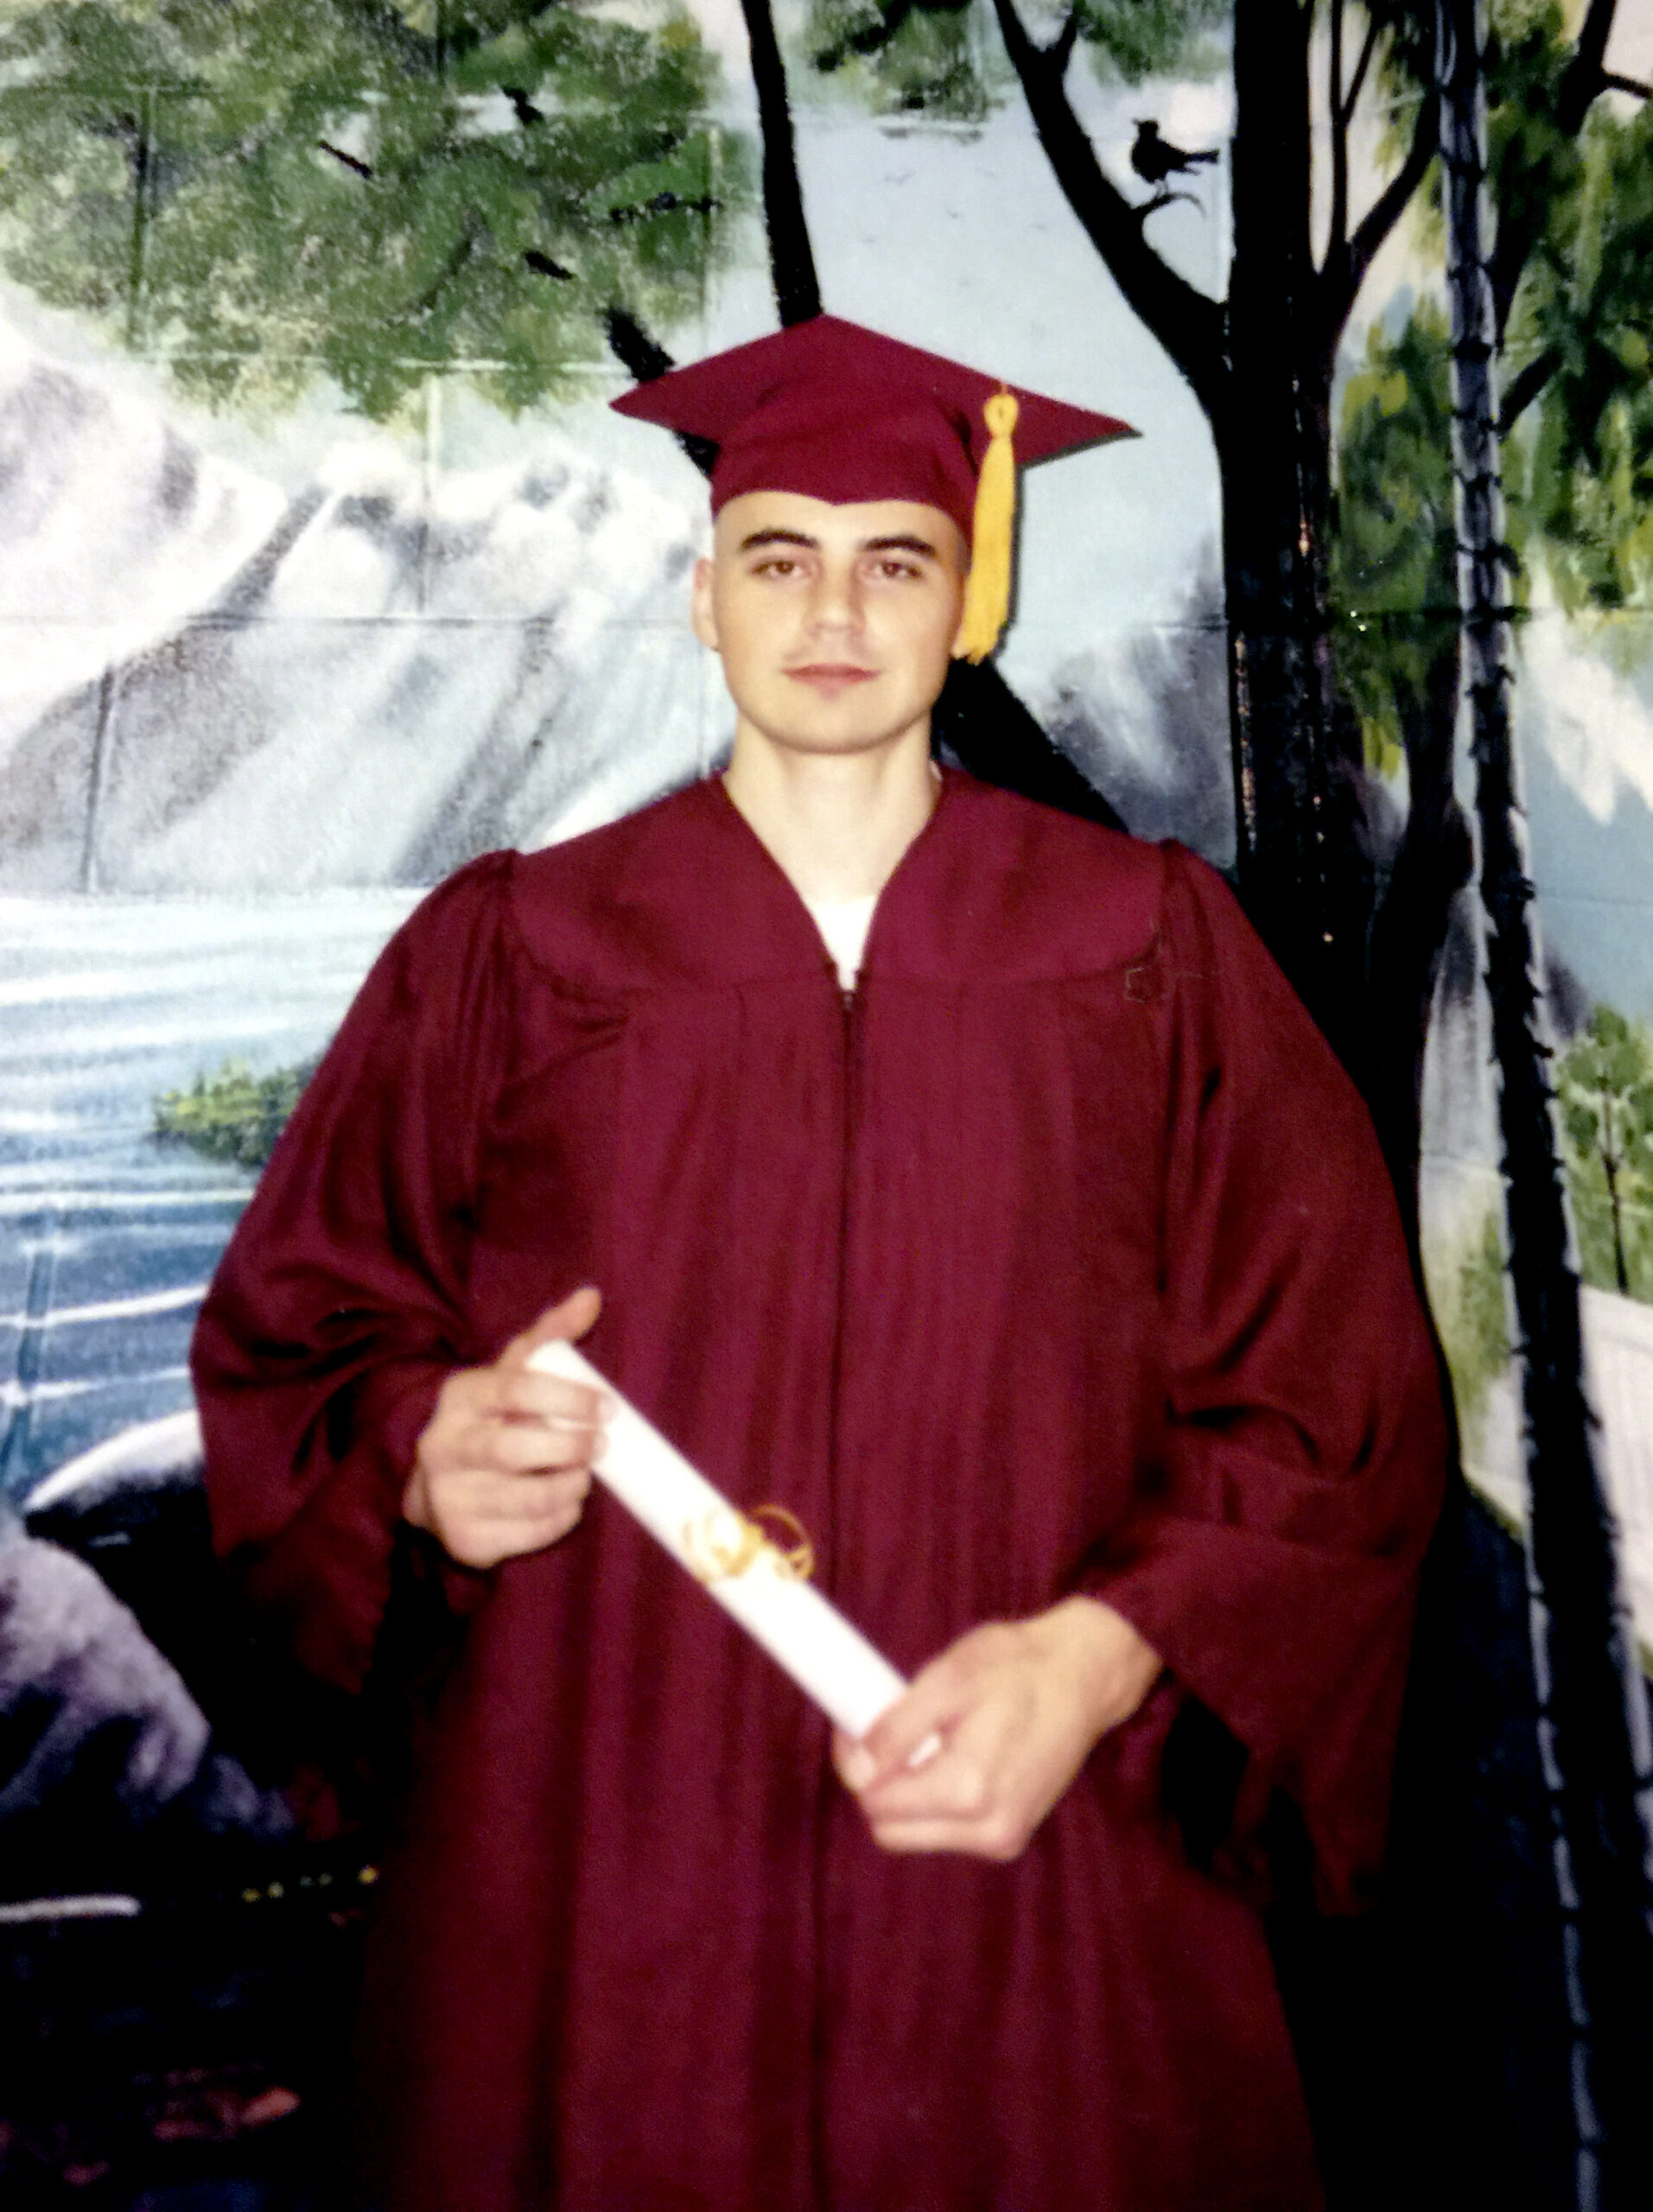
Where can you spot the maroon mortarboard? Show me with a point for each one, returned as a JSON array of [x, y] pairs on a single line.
[[841, 413]]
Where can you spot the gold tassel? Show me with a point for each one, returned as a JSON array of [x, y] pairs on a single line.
[[987, 590]]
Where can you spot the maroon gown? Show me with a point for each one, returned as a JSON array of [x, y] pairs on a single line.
[[1058, 1257]]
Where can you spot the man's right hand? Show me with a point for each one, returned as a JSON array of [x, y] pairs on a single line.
[[503, 1464]]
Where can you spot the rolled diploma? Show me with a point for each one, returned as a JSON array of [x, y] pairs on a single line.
[[802, 1632]]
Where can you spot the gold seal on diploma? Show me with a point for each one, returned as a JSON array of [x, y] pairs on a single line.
[[723, 1544]]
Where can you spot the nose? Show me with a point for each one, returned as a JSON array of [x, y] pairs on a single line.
[[837, 601]]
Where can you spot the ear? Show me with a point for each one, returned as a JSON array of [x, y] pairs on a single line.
[[701, 612]]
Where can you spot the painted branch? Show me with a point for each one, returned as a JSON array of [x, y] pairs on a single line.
[[1525, 388], [1187, 324], [1396, 197], [1339, 127], [1368, 51]]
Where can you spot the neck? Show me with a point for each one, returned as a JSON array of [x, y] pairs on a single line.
[[836, 823]]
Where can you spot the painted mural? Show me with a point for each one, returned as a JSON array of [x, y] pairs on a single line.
[[323, 566]]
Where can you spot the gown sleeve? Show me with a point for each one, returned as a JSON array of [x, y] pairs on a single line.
[[1273, 1563], [338, 1309]]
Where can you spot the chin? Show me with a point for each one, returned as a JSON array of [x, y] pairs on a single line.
[[830, 741], [846, 725]]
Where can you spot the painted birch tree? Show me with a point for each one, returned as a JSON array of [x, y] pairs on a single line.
[[1594, 1731]]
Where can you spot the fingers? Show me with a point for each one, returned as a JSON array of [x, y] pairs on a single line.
[[492, 1508], [904, 1741], [969, 1797], [522, 1393], [469, 1432], [480, 1520], [520, 1448], [1016, 1707], [986, 1796], [509, 1418], [522, 1422], [936, 1702], [933, 1773], [503, 1465], [531, 1498]]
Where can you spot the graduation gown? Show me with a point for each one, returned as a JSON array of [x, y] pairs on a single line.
[[1057, 1256]]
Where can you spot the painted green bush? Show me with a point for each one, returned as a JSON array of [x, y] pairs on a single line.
[[234, 1115], [262, 190], [1605, 1087], [1469, 1302]]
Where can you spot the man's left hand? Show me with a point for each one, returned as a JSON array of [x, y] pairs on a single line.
[[992, 1732]]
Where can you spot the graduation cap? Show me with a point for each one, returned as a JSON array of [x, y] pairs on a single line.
[[841, 413]]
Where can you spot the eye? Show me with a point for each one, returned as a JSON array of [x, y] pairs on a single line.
[[899, 570], [776, 564]]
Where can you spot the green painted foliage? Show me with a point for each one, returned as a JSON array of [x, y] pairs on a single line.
[[1392, 588], [943, 60], [1578, 467], [263, 189], [235, 1115], [935, 58], [1580, 472], [1132, 40], [1533, 162], [1481, 1338], [1588, 302], [1604, 1089], [1469, 1302]]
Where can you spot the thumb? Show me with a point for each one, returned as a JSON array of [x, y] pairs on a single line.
[[568, 1321]]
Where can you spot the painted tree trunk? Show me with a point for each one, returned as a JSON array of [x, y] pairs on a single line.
[[1298, 847], [1593, 1730], [1612, 1160]]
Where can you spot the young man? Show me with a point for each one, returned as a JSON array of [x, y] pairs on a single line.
[[1045, 1268]]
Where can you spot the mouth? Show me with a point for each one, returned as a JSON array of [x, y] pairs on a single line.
[[827, 678]]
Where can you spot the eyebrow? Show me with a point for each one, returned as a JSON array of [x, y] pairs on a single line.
[[761, 538], [904, 541]]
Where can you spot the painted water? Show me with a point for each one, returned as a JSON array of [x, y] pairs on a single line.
[[108, 1233]]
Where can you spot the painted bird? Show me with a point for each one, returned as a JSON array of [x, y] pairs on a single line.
[[1154, 158]]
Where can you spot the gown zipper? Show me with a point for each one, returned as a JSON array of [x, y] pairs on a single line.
[[849, 1011]]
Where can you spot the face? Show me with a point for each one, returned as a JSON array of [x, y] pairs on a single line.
[[834, 624]]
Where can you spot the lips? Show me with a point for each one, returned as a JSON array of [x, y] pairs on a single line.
[[828, 678]]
